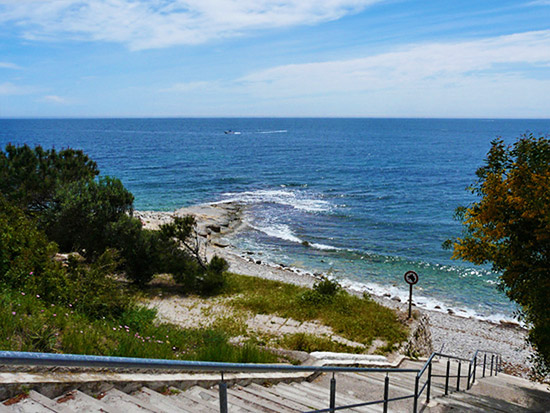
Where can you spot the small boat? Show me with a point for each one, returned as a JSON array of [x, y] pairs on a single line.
[[231, 132]]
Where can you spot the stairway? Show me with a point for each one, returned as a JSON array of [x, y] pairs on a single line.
[[502, 393]]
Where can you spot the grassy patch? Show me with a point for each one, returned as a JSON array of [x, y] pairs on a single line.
[[309, 342], [355, 318], [27, 323]]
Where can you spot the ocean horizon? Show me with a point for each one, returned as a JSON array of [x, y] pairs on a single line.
[[361, 199]]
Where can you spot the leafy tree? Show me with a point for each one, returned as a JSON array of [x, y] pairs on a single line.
[[183, 259], [29, 178], [509, 227], [81, 214], [89, 214]]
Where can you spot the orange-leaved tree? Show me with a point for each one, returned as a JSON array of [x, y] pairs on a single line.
[[509, 227]]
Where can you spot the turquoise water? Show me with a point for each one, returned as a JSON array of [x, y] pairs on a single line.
[[373, 197]]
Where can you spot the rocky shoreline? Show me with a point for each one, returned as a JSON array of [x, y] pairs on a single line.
[[450, 332]]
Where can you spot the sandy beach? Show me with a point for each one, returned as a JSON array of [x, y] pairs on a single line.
[[451, 333]]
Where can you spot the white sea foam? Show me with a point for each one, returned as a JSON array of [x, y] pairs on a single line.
[[279, 196], [274, 131], [324, 247], [281, 231], [421, 301]]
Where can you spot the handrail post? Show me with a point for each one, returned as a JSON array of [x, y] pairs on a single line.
[[332, 394], [223, 395], [429, 383], [492, 361], [484, 363], [458, 376], [475, 367], [386, 392], [499, 358], [469, 374], [415, 405], [447, 377]]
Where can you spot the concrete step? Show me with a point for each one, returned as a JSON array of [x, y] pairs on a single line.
[[34, 402], [212, 396], [272, 393], [514, 390], [78, 401], [309, 402], [124, 402], [259, 400], [254, 390], [488, 403], [195, 402], [322, 395], [342, 399], [160, 401]]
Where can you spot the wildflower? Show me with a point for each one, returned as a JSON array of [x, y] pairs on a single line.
[[81, 332], [37, 295], [31, 273], [55, 315], [114, 328], [41, 311], [13, 313], [22, 293]]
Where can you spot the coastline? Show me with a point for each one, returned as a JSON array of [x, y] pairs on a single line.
[[451, 332]]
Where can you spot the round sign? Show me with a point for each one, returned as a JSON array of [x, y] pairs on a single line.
[[411, 277]]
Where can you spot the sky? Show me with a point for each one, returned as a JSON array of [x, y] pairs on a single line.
[[275, 58]]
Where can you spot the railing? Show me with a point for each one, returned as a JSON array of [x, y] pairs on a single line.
[[73, 360], [496, 360]]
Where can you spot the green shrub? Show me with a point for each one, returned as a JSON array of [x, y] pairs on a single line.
[[323, 291]]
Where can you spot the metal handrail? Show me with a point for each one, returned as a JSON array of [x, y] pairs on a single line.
[[470, 377], [75, 360]]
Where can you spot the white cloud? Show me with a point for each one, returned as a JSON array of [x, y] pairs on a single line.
[[10, 89], [505, 76], [201, 86], [417, 66], [55, 99], [8, 65], [143, 24]]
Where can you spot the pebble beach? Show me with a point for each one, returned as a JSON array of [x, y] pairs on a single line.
[[451, 332]]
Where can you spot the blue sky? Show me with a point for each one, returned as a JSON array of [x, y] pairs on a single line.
[[367, 58]]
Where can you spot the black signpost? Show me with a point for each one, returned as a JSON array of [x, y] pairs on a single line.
[[411, 278]]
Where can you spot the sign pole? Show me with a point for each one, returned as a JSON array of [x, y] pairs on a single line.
[[411, 278], [410, 299]]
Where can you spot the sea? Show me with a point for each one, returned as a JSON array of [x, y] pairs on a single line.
[[360, 200]]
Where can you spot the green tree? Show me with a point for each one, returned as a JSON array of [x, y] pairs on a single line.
[[82, 212], [182, 257], [509, 227], [29, 178]]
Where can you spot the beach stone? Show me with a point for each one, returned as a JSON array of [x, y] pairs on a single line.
[[222, 243], [396, 299]]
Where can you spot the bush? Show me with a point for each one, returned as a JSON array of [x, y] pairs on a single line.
[[26, 257], [323, 291]]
